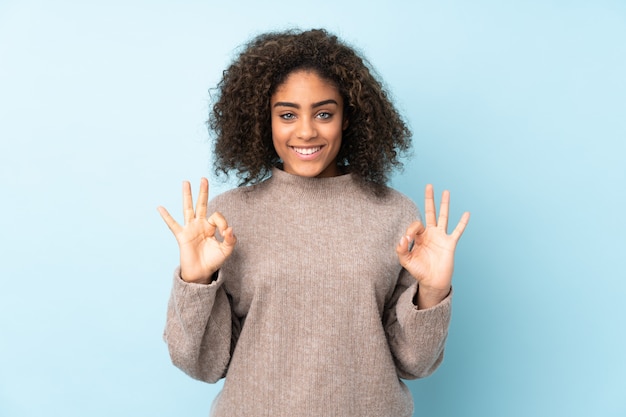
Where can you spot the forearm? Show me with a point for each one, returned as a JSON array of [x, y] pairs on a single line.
[[198, 329], [416, 336], [429, 297]]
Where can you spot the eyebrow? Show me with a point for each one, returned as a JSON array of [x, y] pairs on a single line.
[[297, 106]]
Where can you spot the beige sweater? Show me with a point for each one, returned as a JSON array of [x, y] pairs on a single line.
[[312, 315]]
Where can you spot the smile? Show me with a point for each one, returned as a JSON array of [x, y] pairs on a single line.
[[306, 151]]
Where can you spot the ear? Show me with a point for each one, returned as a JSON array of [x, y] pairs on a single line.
[[346, 122]]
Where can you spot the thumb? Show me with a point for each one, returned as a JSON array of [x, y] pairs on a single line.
[[404, 249], [229, 242]]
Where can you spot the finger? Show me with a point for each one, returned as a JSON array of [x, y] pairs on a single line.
[[402, 249], [444, 208], [229, 241], [217, 221], [460, 227], [188, 212], [169, 220], [415, 228], [203, 198], [429, 206]]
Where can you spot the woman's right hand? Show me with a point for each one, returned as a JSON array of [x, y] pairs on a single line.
[[201, 253]]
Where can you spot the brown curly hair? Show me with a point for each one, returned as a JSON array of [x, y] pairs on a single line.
[[376, 134]]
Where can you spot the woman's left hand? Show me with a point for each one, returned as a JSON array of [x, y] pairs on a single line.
[[427, 252]]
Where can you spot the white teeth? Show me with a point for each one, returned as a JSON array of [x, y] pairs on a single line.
[[307, 151]]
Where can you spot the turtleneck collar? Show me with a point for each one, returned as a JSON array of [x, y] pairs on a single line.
[[310, 184]]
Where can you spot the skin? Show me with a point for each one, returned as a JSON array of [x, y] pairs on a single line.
[[307, 125], [431, 259], [307, 116], [201, 253]]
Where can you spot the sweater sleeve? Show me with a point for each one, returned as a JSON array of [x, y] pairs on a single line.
[[199, 329], [416, 337]]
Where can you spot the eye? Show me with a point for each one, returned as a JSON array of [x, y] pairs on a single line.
[[288, 116], [324, 115]]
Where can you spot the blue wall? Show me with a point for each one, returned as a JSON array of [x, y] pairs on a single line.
[[517, 107]]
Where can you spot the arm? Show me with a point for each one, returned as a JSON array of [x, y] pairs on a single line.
[[416, 337], [419, 314], [199, 326], [199, 329]]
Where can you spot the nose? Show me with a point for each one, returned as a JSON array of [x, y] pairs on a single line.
[[306, 130]]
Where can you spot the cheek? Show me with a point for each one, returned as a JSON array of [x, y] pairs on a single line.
[[279, 128], [336, 130], [277, 132]]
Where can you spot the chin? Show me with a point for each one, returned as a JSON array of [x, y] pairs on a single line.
[[308, 173]]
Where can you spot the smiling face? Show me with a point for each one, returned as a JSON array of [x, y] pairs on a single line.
[[307, 125]]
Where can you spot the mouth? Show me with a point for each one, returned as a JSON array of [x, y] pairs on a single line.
[[306, 151]]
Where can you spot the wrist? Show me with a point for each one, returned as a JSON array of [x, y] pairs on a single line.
[[429, 297], [202, 280]]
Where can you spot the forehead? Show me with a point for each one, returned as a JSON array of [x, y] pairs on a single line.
[[306, 83]]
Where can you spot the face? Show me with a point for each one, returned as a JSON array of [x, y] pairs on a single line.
[[307, 125]]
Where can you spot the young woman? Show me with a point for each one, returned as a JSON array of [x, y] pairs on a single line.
[[313, 288]]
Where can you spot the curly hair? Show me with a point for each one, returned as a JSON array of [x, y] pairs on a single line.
[[372, 143]]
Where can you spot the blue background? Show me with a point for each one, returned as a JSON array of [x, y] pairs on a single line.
[[518, 107]]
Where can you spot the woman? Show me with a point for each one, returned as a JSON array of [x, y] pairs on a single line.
[[332, 289]]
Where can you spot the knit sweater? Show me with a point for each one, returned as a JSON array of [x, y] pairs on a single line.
[[312, 314]]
